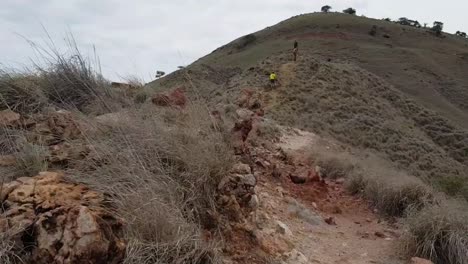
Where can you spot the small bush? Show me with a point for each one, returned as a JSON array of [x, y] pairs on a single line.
[[350, 11], [269, 130], [30, 159], [333, 164], [246, 41], [141, 97], [439, 232]]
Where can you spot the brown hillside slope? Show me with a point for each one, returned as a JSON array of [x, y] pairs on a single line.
[[404, 96]]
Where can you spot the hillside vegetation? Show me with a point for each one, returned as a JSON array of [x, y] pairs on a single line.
[[403, 94]]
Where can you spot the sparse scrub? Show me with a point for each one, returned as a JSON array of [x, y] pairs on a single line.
[[30, 158], [439, 232], [392, 194], [333, 164], [391, 191], [162, 175]]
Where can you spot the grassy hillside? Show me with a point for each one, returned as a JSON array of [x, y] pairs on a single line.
[[402, 92]]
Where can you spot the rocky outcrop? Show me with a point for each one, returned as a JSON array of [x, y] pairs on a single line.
[[175, 98], [61, 222], [237, 193]]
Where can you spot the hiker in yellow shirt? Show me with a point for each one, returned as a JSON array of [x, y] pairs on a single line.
[[273, 79]]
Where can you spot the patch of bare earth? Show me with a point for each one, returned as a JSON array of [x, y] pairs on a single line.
[[324, 223]]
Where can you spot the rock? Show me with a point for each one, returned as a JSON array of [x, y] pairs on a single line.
[[52, 128], [281, 192], [330, 220], [296, 257], [7, 160], [417, 260], [66, 222], [276, 173], [175, 98], [297, 179], [244, 114], [65, 152], [241, 168], [9, 118], [379, 234], [340, 181], [283, 229], [249, 180], [239, 134], [254, 202]]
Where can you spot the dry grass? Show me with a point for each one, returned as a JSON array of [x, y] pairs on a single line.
[[65, 79], [7, 247], [30, 158], [160, 167], [162, 174], [21, 92], [390, 190], [439, 232]]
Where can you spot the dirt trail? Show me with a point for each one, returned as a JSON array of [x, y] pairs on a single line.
[[354, 234]]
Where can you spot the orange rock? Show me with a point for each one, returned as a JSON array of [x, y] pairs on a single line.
[[66, 222]]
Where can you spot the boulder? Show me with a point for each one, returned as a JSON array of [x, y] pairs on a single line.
[[61, 222], [52, 128]]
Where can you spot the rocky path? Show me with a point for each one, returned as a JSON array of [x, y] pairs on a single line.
[[317, 222]]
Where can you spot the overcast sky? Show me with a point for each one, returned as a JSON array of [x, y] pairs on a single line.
[[141, 36]]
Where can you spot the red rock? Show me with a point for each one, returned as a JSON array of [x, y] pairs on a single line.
[[174, 98]]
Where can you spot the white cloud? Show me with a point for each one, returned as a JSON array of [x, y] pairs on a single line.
[[139, 37]]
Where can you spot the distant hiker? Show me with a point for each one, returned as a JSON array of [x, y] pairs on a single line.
[[273, 79], [295, 49]]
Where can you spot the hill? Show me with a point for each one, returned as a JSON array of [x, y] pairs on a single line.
[[402, 92]]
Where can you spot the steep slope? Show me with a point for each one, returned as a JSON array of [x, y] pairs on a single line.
[[402, 93]]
